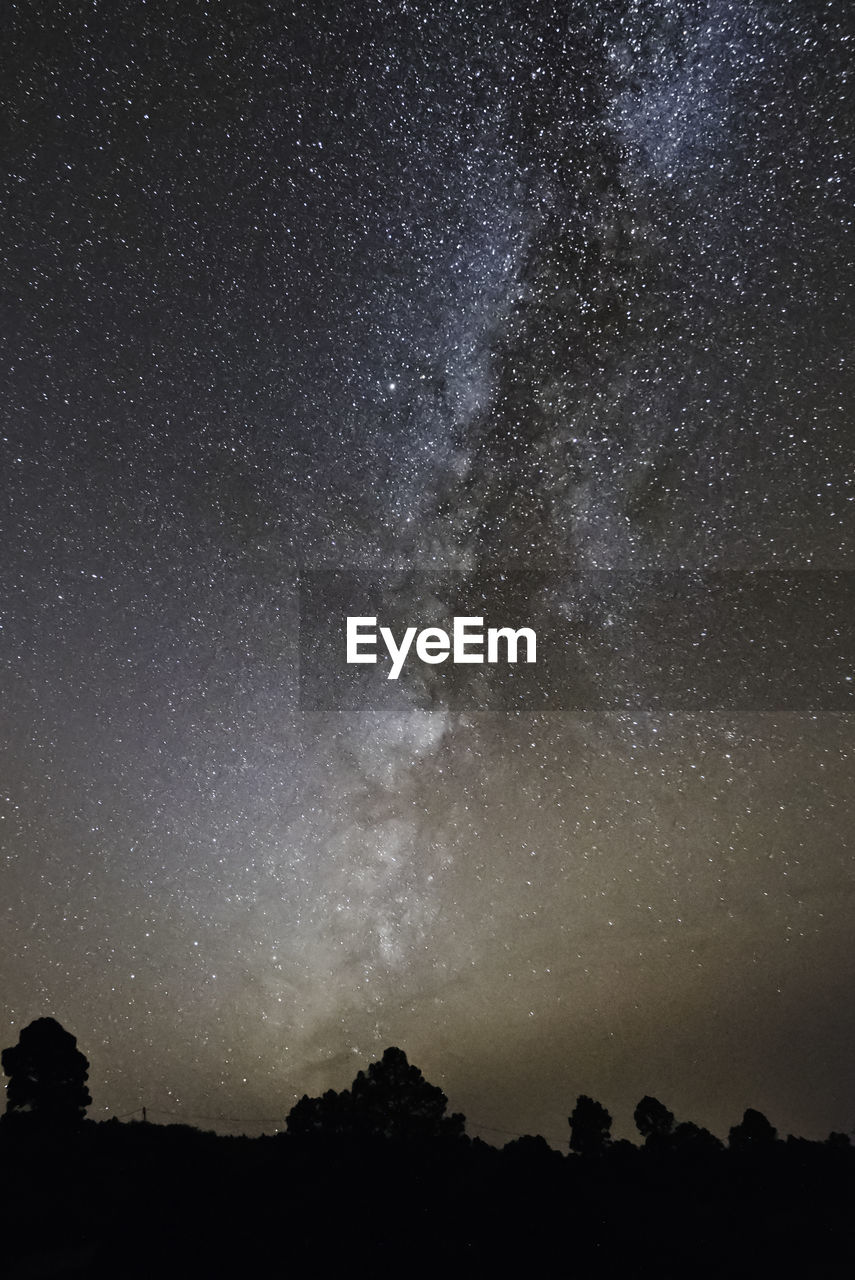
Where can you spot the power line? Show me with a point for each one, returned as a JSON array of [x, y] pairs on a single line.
[[195, 1115], [511, 1133], [217, 1119]]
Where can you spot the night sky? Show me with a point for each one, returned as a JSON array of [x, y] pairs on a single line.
[[414, 287]]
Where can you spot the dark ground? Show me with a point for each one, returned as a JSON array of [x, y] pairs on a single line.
[[142, 1200]]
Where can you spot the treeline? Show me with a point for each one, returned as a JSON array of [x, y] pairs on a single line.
[[381, 1175], [47, 1087]]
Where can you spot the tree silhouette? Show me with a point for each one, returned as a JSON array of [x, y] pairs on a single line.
[[691, 1139], [590, 1126], [394, 1099], [47, 1075], [391, 1099], [328, 1116], [653, 1120], [754, 1133]]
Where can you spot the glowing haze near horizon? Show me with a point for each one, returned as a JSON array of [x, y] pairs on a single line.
[[431, 284]]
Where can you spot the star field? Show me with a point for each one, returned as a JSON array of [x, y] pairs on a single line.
[[418, 286]]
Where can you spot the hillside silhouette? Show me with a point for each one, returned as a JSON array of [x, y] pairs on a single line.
[[379, 1176]]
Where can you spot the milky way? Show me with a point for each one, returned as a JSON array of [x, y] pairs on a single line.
[[418, 288]]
